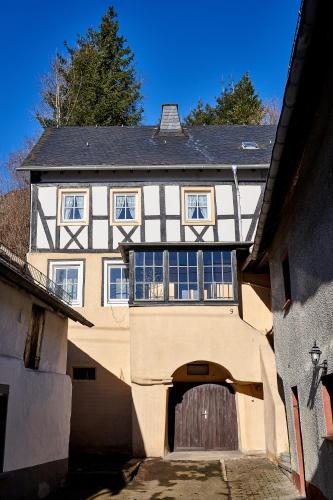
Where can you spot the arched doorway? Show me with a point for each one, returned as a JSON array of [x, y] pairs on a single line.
[[202, 413]]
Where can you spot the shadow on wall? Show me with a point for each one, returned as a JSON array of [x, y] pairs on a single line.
[[321, 486], [102, 410]]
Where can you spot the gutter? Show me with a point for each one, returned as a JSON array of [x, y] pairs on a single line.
[[210, 166], [301, 44], [239, 218]]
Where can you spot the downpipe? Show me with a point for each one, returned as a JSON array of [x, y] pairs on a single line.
[[239, 218]]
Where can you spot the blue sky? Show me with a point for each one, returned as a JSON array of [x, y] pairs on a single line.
[[183, 50]]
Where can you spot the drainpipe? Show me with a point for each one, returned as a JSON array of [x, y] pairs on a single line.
[[239, 220]]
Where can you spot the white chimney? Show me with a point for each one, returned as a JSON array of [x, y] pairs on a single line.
[[170, 121]]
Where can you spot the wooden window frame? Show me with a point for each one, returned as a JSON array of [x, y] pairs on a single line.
[[126, 222], [32, 350], [74, 191], [210, 191]]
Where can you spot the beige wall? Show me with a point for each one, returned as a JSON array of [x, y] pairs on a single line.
[[136, 352], [101, 414], [39, 401]]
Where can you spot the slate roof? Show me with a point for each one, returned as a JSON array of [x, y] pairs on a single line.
[[109, 147]]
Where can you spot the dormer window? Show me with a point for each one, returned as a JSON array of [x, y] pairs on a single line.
[[73, 207], [250, 145], [125, 207]]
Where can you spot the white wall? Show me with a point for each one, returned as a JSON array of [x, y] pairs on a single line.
[[39, 402]]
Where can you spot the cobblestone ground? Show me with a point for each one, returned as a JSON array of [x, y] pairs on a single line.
[[257, 478], [242, 478]]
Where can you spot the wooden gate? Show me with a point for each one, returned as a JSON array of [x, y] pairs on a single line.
[[202, 417]]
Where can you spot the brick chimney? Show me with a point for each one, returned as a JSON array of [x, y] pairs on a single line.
[[170, 121]]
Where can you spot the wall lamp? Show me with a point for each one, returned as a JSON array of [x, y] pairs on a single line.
[[315, 354]]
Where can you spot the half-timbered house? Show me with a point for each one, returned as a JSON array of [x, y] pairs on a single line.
[[144, 226]]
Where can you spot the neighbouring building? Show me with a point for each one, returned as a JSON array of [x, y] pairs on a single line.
[[35, 392], [145, 227], [294, 243]]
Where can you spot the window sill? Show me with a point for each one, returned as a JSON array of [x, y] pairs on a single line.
[[151, 303], [119, 303], [73, 223], [198, 222]]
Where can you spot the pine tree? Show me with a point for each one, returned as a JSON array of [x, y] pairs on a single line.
[[201, 115], [95, 84], [236, 105]]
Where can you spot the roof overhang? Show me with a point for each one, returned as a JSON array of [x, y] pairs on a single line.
[[211, 166], [13, 276], [274, 195], [232, 245]]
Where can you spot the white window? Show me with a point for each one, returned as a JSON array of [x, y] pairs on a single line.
[[125, 207], [73, 207], [69, 275], [116, 283], [198, 206]]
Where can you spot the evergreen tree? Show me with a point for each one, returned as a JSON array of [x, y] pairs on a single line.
[[201, 115], [95, 84], [236, 105]]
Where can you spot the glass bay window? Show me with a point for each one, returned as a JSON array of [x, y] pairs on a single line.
[[183, 276]]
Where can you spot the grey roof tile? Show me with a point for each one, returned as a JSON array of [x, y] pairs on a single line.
[[142, 145]]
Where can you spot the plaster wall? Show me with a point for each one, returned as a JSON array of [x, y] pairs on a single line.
[[101, 412], [136, 352], [39, 401], [308, 242]]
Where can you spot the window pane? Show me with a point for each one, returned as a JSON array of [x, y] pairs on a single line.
[[118, 282], [217, 277], [139, 274], [207, 258], [173, 274], [158, 258], [130, 199], [193, 274], [130, 213], [139, 258], [79, 201], [202, 200], [149, 258], [72, 274], [227, 275], [69, 201], [192, 258], [115, 274], [139, 292], [159, 274], [182, 256], [208, 274], [173, 258], [120, 201], [202, 213], [217, 274], [184, 275], [60, 276], [217, 258], [150, 275]]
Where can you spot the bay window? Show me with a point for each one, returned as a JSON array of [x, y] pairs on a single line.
[[182, 276]]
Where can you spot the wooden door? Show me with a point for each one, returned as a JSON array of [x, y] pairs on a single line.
[[204, 417]]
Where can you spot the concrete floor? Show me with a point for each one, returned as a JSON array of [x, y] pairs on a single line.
[[203, 456], [229, 478]]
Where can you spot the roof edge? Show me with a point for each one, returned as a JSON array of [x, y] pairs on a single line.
[[195, 166]]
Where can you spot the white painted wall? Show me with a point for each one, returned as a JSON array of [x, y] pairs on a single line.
[[48, 199], [172, 200], [99, 200], [224, 200], [39, 402], [151, 200], [249, 196]]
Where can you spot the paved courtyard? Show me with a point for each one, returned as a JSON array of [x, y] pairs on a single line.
[[239, 478]]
